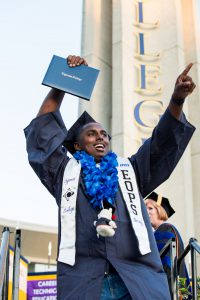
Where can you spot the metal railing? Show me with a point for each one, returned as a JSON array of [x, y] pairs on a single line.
[[16, 265], [193, 247], [170, 247], [4, 263]]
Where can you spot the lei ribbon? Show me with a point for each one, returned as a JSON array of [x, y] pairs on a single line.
[[101, 182]]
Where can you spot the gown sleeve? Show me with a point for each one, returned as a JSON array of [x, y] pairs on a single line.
[[158, 156], [44, 138]]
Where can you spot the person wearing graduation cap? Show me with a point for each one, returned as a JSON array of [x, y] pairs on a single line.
[[96, 190], [160, 210]]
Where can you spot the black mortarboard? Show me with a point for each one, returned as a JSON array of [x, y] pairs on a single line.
[[162, 201], [84, 119]]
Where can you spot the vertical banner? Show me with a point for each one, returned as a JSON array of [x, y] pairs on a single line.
[[42, 286], [22, 276]]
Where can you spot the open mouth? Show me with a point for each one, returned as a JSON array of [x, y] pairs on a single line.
[[99, 147]]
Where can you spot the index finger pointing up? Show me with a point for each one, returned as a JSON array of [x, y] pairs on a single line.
[[187, 69]]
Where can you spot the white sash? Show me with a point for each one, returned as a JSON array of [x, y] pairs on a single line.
[[128, 185], [68, 212]]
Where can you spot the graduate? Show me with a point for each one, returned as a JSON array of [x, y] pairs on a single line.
[[106, 246]]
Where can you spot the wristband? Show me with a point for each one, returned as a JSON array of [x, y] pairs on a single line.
[[178, 102]]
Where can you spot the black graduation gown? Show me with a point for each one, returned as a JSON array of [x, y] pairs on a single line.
[[153, 163]]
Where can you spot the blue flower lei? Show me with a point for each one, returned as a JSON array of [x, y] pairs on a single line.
[[101, 182]]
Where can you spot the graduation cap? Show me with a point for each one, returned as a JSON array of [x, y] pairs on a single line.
[[162, 201], [75, 130]]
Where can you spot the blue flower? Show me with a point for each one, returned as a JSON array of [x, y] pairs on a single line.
[[101, 183]]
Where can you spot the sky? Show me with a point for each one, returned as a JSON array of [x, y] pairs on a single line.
[[31, 32]]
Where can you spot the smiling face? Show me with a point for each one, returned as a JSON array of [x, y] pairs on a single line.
[[94, 140]]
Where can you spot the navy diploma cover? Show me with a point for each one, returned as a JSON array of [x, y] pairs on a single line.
[[78, 81]]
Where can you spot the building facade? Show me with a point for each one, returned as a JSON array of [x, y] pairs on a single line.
[[140, 47]]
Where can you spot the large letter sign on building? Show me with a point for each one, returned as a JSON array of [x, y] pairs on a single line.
[[149, 91]]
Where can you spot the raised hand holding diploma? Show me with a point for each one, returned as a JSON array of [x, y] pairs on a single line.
[[74, 61], [54, 98], [72, 76]]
